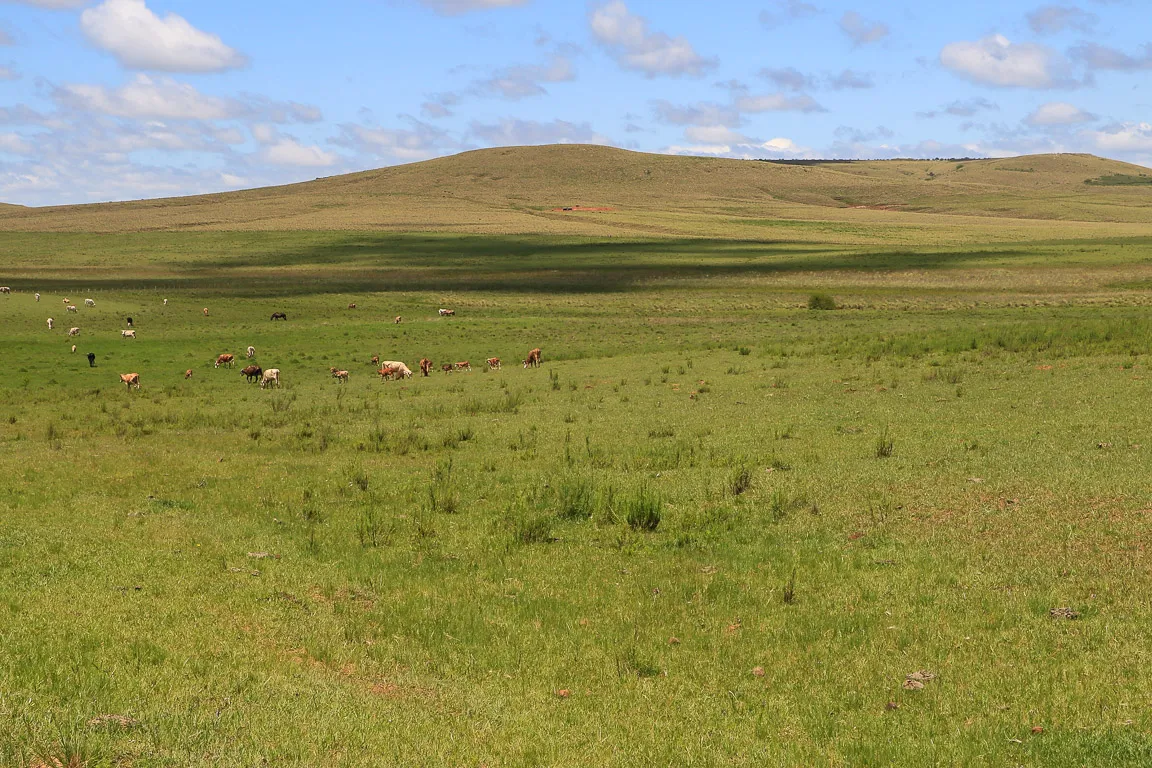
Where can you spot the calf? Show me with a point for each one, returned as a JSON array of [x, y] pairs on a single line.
[[226, 359], [129, 322], [352, 306], [72, 308], [388, 372], [89, 303], [279, 316], [128, 334], [187, 373], [91, 359], [398, 319], [463, 365], [251, 352], [205, 311], [252, 373], [130, 380], [375, 360], [271, 377], [73, 331], [447, 367], [340, 376], [425, 366], [533, 359], [493, 363], [447, 312]]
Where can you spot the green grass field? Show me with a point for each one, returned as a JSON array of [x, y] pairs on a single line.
[[715, 528]]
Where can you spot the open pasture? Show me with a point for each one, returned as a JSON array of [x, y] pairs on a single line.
[[714, 528]]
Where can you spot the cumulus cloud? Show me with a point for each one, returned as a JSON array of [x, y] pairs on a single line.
[[778, 102], [627, 38], [512, 132], [147, 97], [14, 144], [53, 4], [996, 60], [963, 108], [1052, 19], [456, 7], [850, 80], [1123, 137], [785, 11], [419, 142], [139, 39], [1096, 56], [285, 150], [1058, 113], [701, 113], [744, 147], [522, 81], [788, 77], [861, 31]]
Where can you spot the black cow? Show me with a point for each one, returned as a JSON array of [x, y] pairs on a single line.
[[279, 316], [91, 359]]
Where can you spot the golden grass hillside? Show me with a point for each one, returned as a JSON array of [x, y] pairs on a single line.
[[520, 189]]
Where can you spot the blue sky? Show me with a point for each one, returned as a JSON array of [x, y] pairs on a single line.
[[124, 99]]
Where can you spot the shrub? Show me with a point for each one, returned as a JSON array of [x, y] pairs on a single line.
[[821, 301]]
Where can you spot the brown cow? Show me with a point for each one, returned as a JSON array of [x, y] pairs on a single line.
[[398, 319], [463, 365], [493, 363], [447, 367], [425, 366], [226, 359], [533, 358], [205, 311], [130, 380], [375, 359], [388, 372], [188, 374], [351, 306], [252, 373], [340, 376]]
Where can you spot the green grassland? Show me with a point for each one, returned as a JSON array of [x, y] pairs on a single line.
[[715, 528]]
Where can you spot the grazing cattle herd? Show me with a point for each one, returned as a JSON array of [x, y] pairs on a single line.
[[388, 369]]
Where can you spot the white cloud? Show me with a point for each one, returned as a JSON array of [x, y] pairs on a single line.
[[147, 97], [454, 7], [627, 38], [861, 31], [786, 11], [54, 4], [1051, 19], [511, 132], [746, 148], [419, 142], [139, 39], [1102, 57], [1124, 137], [522, 81], [778, 102], [996, 60], [702, 113], [15, 144], [285, 150], [1058, 113]]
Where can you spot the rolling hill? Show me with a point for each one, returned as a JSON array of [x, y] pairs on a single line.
[[526, 189]]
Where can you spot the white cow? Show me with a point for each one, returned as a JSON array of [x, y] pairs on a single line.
[[5, 289], [447, 312], [89, 303], [72, 308], [50, 321], [73, 331], [128, 334], [73, 349], [165, 302], [270, 377], [37, 297], [251, 352]]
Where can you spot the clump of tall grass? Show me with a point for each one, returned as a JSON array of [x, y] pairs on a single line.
[[643, 509], [442, 496], [821, 301], [885, 446], [740, 481]]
